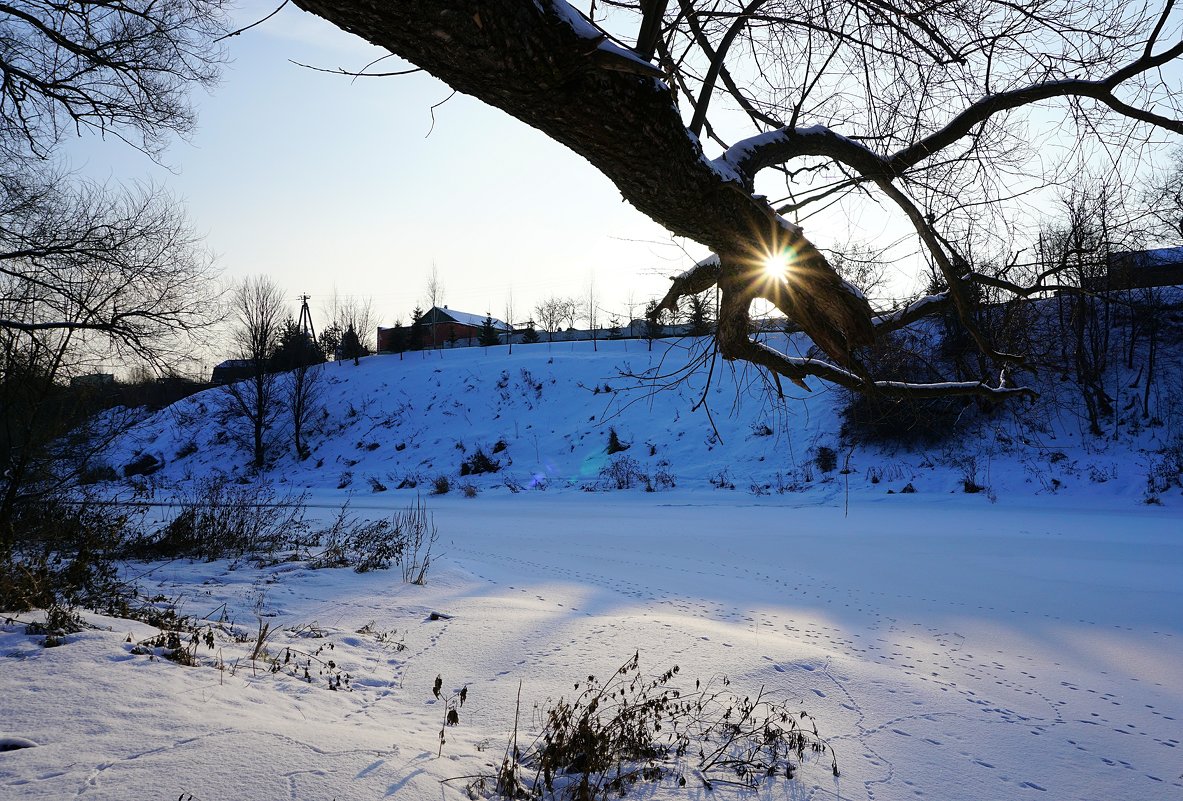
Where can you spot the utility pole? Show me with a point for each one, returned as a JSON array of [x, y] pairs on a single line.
[[306, 319]]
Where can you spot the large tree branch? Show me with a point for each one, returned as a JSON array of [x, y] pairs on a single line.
[[534, 60]]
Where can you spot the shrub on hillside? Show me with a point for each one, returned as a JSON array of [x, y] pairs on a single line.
[[866, 417], [97, 472], [826, 458], [623, 472], [479, 462], [145, 464]]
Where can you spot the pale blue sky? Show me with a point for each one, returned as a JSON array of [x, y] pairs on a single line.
[[321, 181]]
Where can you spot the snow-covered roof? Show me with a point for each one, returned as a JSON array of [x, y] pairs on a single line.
[[464, 318]]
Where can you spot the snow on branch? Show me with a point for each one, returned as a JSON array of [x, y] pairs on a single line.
[[699, 278], [758, 152], [796, 369]]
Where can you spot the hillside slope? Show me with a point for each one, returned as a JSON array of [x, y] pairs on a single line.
[[545, 412]]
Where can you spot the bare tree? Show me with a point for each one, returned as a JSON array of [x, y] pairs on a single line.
[[94, 259], [350, 311], [551, 313], [302, 392], [1164, 198], [570, 311], [87, 275], [113, 269], [509, 320], [919, 107], [435, 297], [257, 310], [591, 311], [299, 355], [119, 67]]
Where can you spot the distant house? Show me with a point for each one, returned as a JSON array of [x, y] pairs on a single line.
[[444, 326], [1138, 269], [232, 370]]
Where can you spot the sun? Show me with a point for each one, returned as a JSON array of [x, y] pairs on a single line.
[[776, 265]]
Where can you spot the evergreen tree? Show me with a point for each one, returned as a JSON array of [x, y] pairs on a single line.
[[399, 338], [489, 335], [701, 317], [530, 334], [351, 347], [295, 348], [330, 341], [418, 330]]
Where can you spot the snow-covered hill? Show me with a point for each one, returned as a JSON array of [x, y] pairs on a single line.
[[545, 412]]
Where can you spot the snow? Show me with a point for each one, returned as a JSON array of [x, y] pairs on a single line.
[[947, 645], [475, 320]]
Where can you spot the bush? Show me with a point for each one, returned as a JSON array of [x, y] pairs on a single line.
[[478, 463], [614, 443], [662, 477], [623, 472], [902, 356], [405, 540], [721, 481], [826, 459], [364, 545], [58, 553], [441, 485], [629, 729], [143, 465], [97, 473], [188, 449], [220, 518]]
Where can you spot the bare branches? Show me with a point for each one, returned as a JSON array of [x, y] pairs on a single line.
[[255, 24], [921, 108], [113, 66], [122, 264]]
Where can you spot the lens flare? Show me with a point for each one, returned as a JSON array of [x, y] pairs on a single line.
[[776, 265]]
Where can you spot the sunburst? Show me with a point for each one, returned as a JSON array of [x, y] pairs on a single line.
[[776, 265]]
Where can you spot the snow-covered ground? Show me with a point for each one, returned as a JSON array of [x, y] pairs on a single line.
[[1024, 642], [705, 423]]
